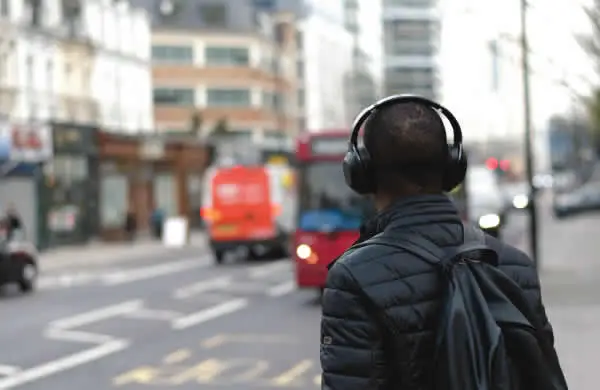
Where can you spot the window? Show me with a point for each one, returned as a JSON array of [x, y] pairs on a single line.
[[227, 56], [173, 54], [410, 3], [174, 96], [325, 201], [228, 97], [214, 15], [409, 37]]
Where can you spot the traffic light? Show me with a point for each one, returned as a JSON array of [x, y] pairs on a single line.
[[491, 163]]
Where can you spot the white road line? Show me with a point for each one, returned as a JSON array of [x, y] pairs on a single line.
[[77, 336], [282, 289], [262, 271], [202, 287], [62, 364], [150, 272], [148, 314], [209, 314], [8, 370], [96, 315]]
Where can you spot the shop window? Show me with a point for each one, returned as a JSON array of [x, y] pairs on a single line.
[[113, 200], [164, 194]]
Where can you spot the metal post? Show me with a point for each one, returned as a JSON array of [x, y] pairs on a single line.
[[529, 158]]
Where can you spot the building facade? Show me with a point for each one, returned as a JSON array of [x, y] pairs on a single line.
[[411, 30], [226, 67], [363, 18]]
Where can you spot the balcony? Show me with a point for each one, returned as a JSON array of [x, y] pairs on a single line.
[[76, 109], [8, 101]]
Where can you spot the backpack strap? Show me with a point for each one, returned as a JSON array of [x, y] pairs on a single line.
[[474, 245]]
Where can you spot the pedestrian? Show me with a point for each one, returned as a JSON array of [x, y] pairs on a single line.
[[383, 306], [13, 219], [130, 225]]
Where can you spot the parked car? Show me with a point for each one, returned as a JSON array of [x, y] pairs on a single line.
[[18, 261], [583, 199]]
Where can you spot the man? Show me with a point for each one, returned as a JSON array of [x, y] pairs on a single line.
[[381, 333], [13, 220]]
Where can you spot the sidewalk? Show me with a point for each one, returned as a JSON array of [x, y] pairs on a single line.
[[106, 252], [570, 263]]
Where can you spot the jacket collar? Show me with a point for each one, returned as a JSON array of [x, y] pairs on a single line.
[[410, 213]]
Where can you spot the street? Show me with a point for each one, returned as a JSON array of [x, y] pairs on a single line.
[[176, 320]]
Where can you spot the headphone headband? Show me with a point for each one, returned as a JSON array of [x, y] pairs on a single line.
[[405, 98]]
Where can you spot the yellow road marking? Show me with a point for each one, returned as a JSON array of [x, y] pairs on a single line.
[[144, 375], [177, 356], [256, 369], [205, 372], [213, 342], [221, 339], [317, 380], [292, 374]]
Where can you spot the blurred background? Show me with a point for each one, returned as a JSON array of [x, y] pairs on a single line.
[[171, 186]]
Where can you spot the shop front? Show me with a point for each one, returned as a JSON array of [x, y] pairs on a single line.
[[69, 190], [141, 174], [23, 149]]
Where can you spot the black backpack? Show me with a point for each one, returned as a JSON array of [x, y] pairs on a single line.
[[489, 337]]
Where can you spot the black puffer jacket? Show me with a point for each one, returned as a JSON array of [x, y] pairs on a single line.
[[357, 352]]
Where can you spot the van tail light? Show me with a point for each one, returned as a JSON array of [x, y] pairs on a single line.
[[276, 210], [209, 214]]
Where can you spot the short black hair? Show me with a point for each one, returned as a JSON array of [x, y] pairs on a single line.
[[408, 148]]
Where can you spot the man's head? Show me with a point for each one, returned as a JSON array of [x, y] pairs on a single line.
[[408, 149]]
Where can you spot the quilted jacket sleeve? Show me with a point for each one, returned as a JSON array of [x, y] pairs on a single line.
[[351, 345]]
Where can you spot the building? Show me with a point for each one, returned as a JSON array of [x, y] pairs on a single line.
[[223, 66], [325, 93], [411, 31], [363, 20], [77, 61]]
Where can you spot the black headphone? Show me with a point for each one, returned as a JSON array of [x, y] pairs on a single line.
[[358, 169]]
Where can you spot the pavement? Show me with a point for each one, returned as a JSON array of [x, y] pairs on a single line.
[[173, 319]]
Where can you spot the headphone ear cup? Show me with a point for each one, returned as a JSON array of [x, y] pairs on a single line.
[[456, 170], [356, 168]]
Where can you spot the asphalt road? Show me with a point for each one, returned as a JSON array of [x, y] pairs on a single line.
[[174, 321]]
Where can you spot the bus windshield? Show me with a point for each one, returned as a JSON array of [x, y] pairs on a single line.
[[326, 203]]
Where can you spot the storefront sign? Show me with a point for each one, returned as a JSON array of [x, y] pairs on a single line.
[[25, 143], [152, 149]]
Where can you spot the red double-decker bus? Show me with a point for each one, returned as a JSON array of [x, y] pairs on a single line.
[[329, 213]]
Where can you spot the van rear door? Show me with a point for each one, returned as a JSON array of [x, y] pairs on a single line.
[[241, 205]]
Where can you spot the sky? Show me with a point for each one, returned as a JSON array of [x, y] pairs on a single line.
[[467, 63]]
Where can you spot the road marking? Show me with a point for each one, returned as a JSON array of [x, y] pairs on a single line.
[[150, 314], [177, 356], [202, 287], [77, 336], [204, 372], [262, 271], [317, 380], [97, 315], [62, 364], [282, 289], [150, 272], [292, 374], [8, 370], [222, 339], [209, 314], [141, 375]]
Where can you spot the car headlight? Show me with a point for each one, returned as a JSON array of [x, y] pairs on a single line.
[[489, 221], [303, 251], [520, 201]]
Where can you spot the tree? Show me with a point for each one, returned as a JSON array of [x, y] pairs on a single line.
[[591, 44], [221, 128], [196, 123]]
